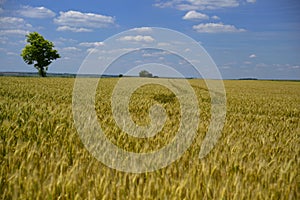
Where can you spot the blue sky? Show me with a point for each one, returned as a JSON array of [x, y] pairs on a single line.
[[245, 38]]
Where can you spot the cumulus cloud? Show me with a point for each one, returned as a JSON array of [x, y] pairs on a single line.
[[71, 49], [82, 22], [91, 44], [11, 53], [215, 17], [73, 29], [13, 26], [163, 44], [295, 67], [247, 63], [8, 21], [197, 4], [137, 38], [65, 40], [156, 54], [191, 15], [252, 56], [143, 29], [13, 23], [35, 12], [216, 28], [14, 32]]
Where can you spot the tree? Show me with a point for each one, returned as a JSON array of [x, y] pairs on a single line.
[[145, 73], [39, 52]]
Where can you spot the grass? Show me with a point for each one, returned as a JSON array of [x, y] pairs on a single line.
[[42, 156]]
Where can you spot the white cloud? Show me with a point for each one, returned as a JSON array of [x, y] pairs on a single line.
[[216, 28], [36, 12], [137, 38], [225, 67], [91, 44], [251, 1], [198, 4], [66, 58], [295, 67], [156, 54], [82, 22], [143, 29], [163, 44], [283, 67], [187, 7], [195, 15], [62, 40], [71, 49], [252, 56], [22, 42], [13, 26], [3, 40], [11, 53], [164, 4], [14, 32], [215, 17], [13, 23], [73, 29], [9, 21], [147, 55]]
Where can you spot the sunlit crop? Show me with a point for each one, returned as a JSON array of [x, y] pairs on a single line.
[[42, 156]]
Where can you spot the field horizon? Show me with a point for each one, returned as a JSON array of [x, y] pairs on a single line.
[[73, 75]]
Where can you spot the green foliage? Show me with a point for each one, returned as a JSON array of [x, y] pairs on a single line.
[[39, 52], [145, 73]]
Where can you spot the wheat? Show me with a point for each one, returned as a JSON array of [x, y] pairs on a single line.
[[42, 156]]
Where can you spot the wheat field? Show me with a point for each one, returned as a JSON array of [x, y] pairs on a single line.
[[42, 156]]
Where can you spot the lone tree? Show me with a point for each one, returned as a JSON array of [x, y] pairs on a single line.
[[39, 52], [145, 73]]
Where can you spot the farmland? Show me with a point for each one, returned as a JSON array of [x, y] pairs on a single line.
[[42, 156]]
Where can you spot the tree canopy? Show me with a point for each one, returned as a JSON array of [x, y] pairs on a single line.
[[145, 73], [39, 52]]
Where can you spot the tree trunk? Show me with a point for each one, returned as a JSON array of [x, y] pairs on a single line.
[[42, 72]]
